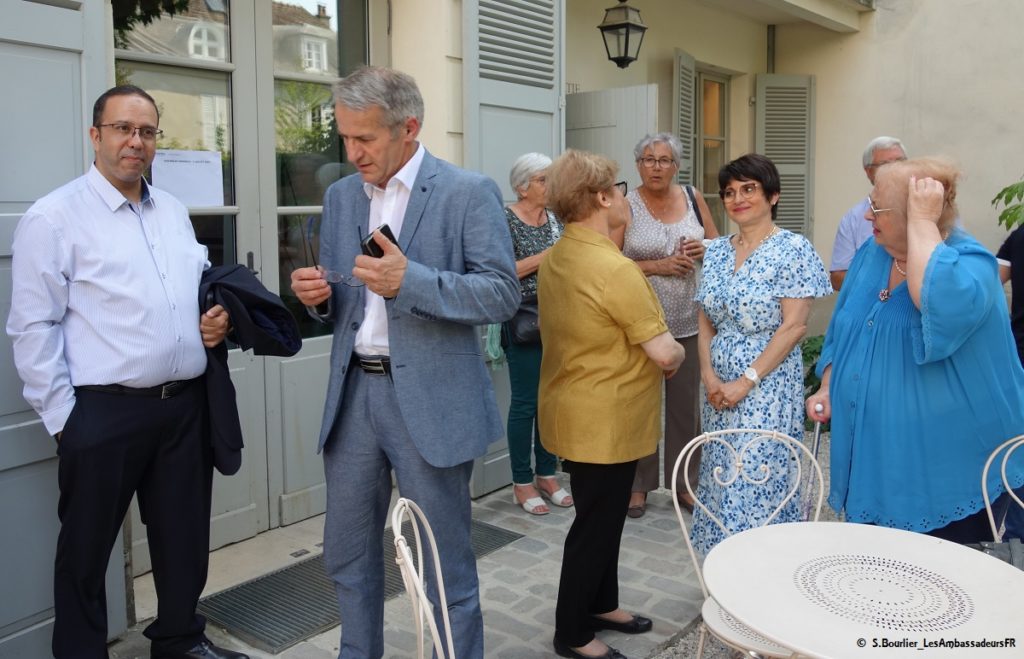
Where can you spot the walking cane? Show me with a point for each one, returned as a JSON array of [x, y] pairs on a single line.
[[819, 408]]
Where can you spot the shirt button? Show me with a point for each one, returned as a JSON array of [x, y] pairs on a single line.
[[179, 339], [174, 306], [164, 275], [871, 323]]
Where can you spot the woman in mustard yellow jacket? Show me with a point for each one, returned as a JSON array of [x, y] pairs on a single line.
[[606, 351]]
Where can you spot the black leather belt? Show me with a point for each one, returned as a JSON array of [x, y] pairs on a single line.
[[375, 365], [162, 391]]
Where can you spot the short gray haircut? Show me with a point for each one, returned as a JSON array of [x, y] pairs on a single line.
[[526, 167], [394, 92], [669, 139], [882, 142]]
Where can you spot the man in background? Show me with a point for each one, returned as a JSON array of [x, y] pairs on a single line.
[[853, 228]]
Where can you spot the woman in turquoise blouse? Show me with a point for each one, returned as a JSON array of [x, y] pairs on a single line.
[[918, 370]]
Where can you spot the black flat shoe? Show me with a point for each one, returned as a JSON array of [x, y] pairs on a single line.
[[205, 650], [563, 650], [638, 625]]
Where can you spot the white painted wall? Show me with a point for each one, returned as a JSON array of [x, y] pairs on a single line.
[[426, 42], [731, 43], [945, 77]]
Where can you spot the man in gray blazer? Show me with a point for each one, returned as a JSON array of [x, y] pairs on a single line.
[[409, 389]]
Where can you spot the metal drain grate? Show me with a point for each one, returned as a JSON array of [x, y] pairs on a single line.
[[277, 610]]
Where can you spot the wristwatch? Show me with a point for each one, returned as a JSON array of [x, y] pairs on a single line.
[[751, 375]]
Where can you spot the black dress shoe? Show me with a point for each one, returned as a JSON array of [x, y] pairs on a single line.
[[205, 650], [563, 650], [638, 625]]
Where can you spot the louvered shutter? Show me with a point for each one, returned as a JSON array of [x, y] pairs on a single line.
[[512, 104], [512, 83], [785, 133], [517, 41], [684, 73]]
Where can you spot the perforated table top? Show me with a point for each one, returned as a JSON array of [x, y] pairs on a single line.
[[829, 589]]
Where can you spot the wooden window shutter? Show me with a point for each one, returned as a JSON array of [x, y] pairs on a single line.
[[517, 41], [684, 74], [785, 133]]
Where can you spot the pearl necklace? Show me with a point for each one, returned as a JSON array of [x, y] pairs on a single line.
[[885, 293], [739, 238]]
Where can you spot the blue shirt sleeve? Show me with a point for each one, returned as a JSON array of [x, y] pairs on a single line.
[[960, 284], [852, 233]]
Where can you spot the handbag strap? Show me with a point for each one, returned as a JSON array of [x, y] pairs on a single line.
[[693, 203]]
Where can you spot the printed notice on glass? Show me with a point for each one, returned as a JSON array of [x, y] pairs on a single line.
[[196, 178]]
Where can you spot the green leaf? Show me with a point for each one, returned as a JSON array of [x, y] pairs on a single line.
[[1010, 197]]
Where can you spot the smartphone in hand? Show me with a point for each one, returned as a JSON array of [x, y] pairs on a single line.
[[370, 247]]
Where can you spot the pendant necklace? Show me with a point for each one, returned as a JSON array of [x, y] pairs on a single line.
[[774, 230], [884, 294]]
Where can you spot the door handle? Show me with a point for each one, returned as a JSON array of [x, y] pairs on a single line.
[[249, 263]]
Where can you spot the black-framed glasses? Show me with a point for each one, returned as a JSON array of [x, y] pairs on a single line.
[[746, 191], [876, 211], [127, 131], [622, 186], [649, 162]]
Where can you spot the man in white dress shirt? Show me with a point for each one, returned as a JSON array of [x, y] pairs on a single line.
[[409, 389], [109, 340], [854, 230]]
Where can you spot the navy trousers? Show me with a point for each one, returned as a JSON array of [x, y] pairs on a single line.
[[112, 447]]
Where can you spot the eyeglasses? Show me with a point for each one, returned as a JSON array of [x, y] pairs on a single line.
[[146, 133], [543, 180], [649, 162], [312, 233], [745, 191], [876, 165], [876, 211], [622, 186]]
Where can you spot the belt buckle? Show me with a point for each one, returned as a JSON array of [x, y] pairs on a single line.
[[167, 390], [374, 366]]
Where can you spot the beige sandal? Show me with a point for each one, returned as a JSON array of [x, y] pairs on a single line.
[[532, 505], [559, 497]]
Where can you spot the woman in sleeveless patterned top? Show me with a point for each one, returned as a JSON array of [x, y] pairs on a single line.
[[534, 230], [664, 238]]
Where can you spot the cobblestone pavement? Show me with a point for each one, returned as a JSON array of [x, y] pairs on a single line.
[[518, 586]]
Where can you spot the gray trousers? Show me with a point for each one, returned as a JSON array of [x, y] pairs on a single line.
[[682, 422], [368, 441]]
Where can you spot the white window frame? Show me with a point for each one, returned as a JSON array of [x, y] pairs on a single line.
[[314, 54], [206, 41], [700, 165]]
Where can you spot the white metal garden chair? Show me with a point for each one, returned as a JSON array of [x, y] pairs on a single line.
[[412, 576], [715, 620], [1009, 446]]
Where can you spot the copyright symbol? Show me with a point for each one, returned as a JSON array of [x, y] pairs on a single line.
[[861, 642]]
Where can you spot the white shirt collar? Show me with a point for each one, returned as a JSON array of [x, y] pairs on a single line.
[[111, 196], [406, 175]]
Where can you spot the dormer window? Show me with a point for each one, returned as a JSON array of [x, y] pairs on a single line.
[[206, 41], [314, 54]]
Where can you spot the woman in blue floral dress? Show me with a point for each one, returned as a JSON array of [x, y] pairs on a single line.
[[755, 297]]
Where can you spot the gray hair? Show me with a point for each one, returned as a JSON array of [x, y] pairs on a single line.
[[668, 139], [394, 92], [526, 167], [882, 142]]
